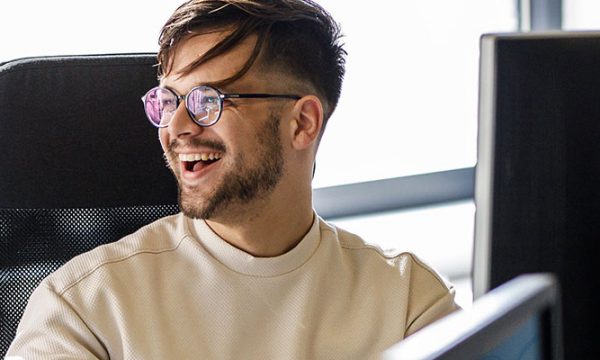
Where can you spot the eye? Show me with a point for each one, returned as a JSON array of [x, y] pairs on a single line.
[[211, 100], [167, 102]]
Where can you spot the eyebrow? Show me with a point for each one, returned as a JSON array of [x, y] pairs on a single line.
[[219, 85]]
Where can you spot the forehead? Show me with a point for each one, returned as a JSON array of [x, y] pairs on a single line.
[[192, 47]]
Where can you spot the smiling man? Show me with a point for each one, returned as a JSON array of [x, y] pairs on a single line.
[[255, 191], [247, 270]]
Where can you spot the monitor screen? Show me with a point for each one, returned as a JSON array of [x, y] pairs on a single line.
[[524, 343], [537, 188], [519, 320]]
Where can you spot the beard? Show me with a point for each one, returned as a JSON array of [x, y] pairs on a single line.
[[239, 183]]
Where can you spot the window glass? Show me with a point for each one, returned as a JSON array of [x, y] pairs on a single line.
[[581, 14], [409, 102]]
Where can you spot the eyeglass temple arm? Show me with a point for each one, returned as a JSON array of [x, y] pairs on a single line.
[[257, 96]]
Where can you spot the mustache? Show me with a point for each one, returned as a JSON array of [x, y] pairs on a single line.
[[193, 143]]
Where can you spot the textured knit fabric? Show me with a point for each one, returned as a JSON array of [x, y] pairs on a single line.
[[175, 290]]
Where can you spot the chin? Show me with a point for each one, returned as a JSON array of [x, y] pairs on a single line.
[[195, 206]]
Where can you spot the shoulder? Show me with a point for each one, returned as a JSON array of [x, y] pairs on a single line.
[[406, 267], [163, 235], [402, 278]]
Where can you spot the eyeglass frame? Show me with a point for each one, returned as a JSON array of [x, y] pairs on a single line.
[[221, 96]]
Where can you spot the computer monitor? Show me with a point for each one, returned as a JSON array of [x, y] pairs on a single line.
[[537, 187], [519, 320]]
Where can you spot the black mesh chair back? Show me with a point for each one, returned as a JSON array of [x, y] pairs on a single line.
[[80, 166]]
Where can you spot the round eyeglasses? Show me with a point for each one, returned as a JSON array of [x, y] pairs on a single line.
[[203, 103]]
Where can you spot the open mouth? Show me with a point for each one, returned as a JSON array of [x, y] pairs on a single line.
[[197, 162]]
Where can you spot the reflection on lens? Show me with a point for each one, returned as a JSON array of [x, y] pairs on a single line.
[[204, 104], [159, 104], [166, 104]]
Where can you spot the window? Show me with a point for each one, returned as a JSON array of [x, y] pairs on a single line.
[[409, 102], [581, 15]]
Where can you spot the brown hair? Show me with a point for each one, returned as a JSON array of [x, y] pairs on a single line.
[[296, 37]]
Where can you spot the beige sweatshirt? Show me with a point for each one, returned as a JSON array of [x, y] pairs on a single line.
[[175, 290]]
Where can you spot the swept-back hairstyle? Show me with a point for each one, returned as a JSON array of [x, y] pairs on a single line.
[[295, 37]]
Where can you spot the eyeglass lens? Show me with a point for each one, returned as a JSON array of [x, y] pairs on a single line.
[[203, 104]]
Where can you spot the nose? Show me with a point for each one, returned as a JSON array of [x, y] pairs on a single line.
[[181, 125]]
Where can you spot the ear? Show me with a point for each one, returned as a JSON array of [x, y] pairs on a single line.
[[307, 122]]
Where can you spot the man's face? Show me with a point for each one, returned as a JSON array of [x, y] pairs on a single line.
[[235, 162]]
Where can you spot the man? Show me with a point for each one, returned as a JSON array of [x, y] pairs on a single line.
[[248, 270]]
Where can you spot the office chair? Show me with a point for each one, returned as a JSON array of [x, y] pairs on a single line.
[[80, 166]]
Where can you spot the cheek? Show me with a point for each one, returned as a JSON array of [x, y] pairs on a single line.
[[163, 137]]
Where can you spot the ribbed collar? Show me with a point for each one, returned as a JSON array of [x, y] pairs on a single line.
[[244, 263]]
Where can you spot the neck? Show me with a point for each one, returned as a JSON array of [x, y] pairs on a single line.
[[267, 227]]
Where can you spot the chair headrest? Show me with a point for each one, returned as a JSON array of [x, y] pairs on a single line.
[[73, 133]]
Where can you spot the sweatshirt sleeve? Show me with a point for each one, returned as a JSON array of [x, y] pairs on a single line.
[[430, 297], [51, 329]]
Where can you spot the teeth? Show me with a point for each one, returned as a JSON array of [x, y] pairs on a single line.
[[199, 157]]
